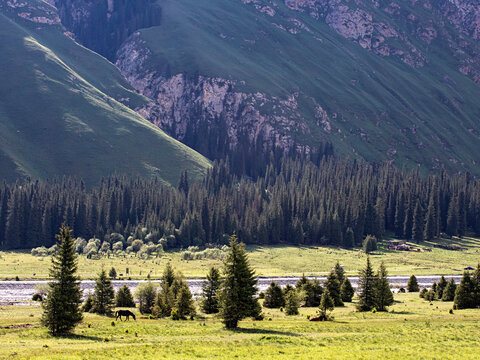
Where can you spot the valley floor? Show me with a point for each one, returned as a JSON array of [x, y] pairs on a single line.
[[266, 260], [412, 329]]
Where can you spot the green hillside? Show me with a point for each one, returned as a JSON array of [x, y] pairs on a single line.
[[379, 108], [60, 111]]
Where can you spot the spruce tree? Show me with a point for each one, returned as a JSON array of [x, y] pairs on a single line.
[[476, 285], [88, 303], [326, 304], [61, 310], [339, 272], [366, 286], [210, 291], [449, 292], [112, 273], [452, 218], [184, 305], [418, 223], [145, 294], [412, 285], [383, 294], [237, 297], [464, 294], [274, 296], [103, 295], [347, 291], [442, 284], [291, 303], [430, 222], [369, 244], [124, 297], [333, 286]]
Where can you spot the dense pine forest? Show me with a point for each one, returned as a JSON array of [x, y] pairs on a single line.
[[327, 202]]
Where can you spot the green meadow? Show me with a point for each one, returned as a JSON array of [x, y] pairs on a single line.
[[412, 329], [266, 260]]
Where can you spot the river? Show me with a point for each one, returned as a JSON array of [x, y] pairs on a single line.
[[20, 292]]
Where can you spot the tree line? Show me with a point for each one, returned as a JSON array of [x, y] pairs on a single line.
[[295, 201]]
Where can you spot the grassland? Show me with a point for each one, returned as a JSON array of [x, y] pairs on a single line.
[[412, 329], [267, 261]]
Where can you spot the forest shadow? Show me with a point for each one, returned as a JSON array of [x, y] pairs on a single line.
[[82, 337]]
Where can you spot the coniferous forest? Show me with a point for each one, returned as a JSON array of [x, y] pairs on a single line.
[[331, 202]]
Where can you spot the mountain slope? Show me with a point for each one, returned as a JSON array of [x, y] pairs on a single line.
[[381, 80], [60, 109]]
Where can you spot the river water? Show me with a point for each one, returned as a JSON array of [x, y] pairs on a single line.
[[20, 292]]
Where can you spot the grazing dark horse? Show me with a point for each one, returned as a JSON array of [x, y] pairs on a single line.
[[126, 313]]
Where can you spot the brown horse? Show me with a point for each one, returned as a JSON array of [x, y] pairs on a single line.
[[126, 313]]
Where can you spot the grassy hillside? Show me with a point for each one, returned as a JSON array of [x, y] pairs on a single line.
[[60, 112], [412, 329], [379, 107]]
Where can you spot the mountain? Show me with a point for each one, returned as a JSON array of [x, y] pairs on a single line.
[[394, 81], [65, 110]]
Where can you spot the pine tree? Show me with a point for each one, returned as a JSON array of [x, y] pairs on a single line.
[[112, 273], [418, 223], [452, 219], [412, 285], [292, 302], [476, 285], [274, 296], [326, 304], [333, 286], [237, 297], [369, 244], [88, 303], [449, 292], [124, 297], [347, 291], [442, 284], [339, 272], [61, 310], [210, 291], [464, 294], [383, 294], [430, 223], [366, 286], [184, 305], [103, 295], [146, 294]]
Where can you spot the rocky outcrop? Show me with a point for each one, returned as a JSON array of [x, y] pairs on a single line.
[[400, 33], [38, 12], [183, 105]]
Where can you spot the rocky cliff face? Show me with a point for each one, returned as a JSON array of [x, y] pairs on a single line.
[[189, 106], [103, 25], [403, 29]]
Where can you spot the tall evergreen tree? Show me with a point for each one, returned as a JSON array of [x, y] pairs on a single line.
[[61, 310], [383, 294], [442, 284], [326, 304], [184, 304], [418, 223], [430, 223], [366, 286], [465, 293], [333, 286], [274, 297], [124, 297], [237, 297], [452, 219], [210, 291], [449, 292], [103, 295], [347, 291]]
